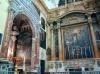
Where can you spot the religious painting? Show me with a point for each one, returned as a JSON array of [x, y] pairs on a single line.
[[77, 42]]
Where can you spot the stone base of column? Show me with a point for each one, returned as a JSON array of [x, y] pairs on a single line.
[[60, 54], [52, 55]]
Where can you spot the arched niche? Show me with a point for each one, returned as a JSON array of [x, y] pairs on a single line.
[[21, 42]]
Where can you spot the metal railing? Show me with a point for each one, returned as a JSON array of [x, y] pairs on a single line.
[[17, 72], [71, 72], [86, 63], [31, 73], [8, 72], [77, 72]]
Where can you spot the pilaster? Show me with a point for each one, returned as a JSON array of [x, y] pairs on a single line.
[[96, 52], [52, 45], [60, 42]]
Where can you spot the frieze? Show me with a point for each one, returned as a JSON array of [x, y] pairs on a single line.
[[73, 18], [85, 5]]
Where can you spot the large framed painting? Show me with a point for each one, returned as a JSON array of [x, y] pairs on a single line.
[[77, 42]]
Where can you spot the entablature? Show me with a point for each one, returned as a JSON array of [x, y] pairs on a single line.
[[85, 5]]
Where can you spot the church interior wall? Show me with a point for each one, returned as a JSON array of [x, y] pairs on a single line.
[[64, 28]]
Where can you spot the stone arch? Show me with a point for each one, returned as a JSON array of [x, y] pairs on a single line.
[[33, 28], [27, 8], [23, 41]]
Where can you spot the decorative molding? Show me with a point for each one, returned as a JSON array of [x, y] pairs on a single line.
[[72, 12]]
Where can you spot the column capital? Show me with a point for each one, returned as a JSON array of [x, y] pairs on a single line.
[[89, 18], [58, 25], [51, 26], [59, 20]]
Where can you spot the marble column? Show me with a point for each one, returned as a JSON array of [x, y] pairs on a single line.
[[95, 49], [52, 44], [60, 42]]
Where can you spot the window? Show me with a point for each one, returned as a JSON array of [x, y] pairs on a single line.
[[63, 2], [43, 39], [69, 1], [43, 23], [0, 38]]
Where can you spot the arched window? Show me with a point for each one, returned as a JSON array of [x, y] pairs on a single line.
[[69, 1], [43, 23], [63, 2]]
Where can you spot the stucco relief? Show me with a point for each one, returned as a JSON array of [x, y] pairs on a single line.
[[72, 19]]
